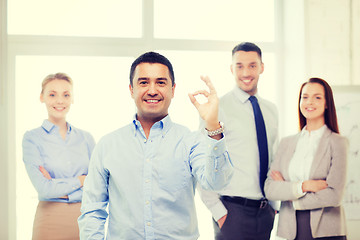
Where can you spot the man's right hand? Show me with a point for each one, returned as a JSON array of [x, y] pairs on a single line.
[[221, 221]]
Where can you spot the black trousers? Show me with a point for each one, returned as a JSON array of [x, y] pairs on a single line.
[[245, 223], [304, 229]]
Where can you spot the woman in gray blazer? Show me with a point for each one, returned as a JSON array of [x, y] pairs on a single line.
[[309, 170]]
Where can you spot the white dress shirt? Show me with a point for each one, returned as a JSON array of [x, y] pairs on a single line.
[[237, 115]]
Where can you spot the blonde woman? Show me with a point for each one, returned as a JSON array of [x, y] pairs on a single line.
[[56, 157]]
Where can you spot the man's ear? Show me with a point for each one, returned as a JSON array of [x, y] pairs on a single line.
[[41, 97], [173, 90], [131, 90], [262, 68]]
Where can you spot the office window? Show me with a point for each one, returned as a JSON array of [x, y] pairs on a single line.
[[215, 20], [116, 18]]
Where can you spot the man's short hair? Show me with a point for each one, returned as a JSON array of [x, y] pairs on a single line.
[[152, 57], [247, 47]]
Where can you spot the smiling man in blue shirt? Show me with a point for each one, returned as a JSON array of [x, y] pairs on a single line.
[[146, 172]]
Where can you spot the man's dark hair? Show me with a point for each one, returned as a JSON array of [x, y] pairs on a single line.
[[152, 57], [247, 47]]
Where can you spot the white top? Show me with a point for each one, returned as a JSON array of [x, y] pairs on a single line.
[[300, 163], [237, 115]]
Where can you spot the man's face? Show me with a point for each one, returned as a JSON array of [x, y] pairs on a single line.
[[152, 91], [246, 68]]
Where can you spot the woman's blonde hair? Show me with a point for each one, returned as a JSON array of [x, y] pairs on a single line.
[[51, 77]]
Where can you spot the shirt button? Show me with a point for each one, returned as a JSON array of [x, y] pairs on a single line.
[[147, 202], [148, 223], [216, 170], [145, 140], [215, 148], [147, 180], [148, 160]]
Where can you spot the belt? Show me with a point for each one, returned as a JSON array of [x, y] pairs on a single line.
[[246, 202]]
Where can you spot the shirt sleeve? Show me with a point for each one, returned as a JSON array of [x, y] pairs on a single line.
[[46, 188], [212, 201], [90, 143], [95, 198], [210, 162]]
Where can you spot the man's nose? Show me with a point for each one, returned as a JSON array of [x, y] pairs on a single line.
[[246, 72], [152, 89]]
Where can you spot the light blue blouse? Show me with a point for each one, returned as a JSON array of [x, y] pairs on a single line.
[[64, 159]]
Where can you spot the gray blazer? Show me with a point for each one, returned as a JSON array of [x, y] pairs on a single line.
[[326, 214]]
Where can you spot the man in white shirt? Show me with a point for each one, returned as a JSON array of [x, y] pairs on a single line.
[[240, 210]]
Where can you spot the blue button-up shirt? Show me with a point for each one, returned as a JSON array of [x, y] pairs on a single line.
[[64, 159], [148, 185]]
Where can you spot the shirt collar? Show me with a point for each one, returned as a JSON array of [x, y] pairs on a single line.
[[49, 126], [241, 95], [164, 124], [316, 133]]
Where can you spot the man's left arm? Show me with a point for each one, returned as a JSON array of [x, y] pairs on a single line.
[[209, 159]]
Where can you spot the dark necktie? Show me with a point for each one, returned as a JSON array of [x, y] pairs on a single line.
[[262, 141]]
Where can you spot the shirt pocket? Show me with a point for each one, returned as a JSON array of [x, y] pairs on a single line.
[[173, 174]]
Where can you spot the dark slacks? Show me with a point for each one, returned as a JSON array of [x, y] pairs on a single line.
[[245, 222], [304, 230]]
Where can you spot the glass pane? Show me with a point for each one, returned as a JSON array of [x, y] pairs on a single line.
[[241, 20], [102, 104], [76, 18]]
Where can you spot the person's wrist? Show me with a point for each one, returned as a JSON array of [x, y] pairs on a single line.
[[213, 131]]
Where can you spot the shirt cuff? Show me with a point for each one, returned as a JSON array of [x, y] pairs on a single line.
[[296, 205], [217, 147], [218, 211], [75, 196], [297, 190]]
